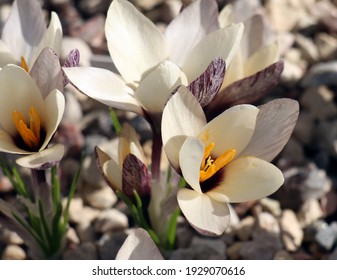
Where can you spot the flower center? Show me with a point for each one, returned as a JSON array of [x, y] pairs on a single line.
[[24, 64], [210, 166], [30, 135]]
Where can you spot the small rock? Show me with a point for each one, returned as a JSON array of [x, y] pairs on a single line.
[[73, 111], [293, 151], [233, 251], [85, 251], [325, 136], [216, 245], [322, 73], [326, 45], [259, 249], [109, 244], [9, 237], [110, 220], [245, 228], [309, 212], [308, 48], [326, 237], [91, 174], [86, 232], [292, 234], [304, 127], [75, 209], [282, 255], [102, 198], [72, 237], [292, 72], [13, 252], [266, 225], [271, 205]]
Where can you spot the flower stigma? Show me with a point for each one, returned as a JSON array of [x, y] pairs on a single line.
[[210, 166], [24, 64], [30, 135]]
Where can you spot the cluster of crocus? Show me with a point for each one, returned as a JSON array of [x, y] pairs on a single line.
[[188, 83], [194, 83]]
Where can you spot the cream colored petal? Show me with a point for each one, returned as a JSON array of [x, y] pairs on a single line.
[[52, 38], [139, 246], [7, 144], [129, 144], [182, 116], [274, 126], [18, 92], [104, 86], [6, 56], [55, 104], [113, 173], [135, 44], [232, 129], [24, 28], [247, 178], [189, 27], [44, 159], [154, 91], [190, 158], [225, 16], [220, 43], [208, 216], [261, 59], [235, 70]]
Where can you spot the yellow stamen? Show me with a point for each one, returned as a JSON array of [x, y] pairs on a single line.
[[210, 166], [24, 64], [30, 135]]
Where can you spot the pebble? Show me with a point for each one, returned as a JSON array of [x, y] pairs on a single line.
[[109, 244], [245, 228], [102, 198], [309, 212], [86, 232], [271, 205], [326, 237], [13, 252], [292, 234], [9, 237], [110, 220], [322, 73], [84, 251]]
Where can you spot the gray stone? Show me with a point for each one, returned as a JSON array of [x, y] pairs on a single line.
[[308, 48], [326, 45], [271, 205], [282, 255], [102, 198], [245, 228], [326, 237], [86, 232], [309, 212], [216, 245], [9, 237], [109, 244], [322, 73]]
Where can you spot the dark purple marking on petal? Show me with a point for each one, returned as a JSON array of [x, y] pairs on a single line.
[[72, 60], [208, 84], [246, 90], [135, 176]]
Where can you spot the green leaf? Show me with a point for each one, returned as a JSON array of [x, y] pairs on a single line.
[[115, 121], [172, 230]]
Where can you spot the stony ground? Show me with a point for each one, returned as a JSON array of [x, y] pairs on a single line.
[[297, 222]]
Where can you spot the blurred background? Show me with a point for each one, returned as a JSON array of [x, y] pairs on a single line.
[[297, 222]]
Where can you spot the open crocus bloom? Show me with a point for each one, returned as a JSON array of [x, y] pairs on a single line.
[[153, 64], [227, 159], [25, 34], [29, 118], [127, 171], [254, 69]]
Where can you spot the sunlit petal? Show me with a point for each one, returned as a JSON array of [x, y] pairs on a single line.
[[104, 86], [220, 43], [135, 44], [247, 178], [189, 27], [206, 215]]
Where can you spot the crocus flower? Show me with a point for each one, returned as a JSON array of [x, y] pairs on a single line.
[[152, 64], [127, 171], [25, 34], [227, 159], [255, 68], [31, 111]]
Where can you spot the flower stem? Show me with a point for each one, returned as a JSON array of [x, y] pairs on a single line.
[[39, 177], [156, 156]]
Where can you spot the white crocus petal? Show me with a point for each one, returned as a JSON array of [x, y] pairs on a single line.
[[54, 106], [18, 93], [113, 174], [205, 214], [6, 56], [247, 178], [7, 144], [261, 59], [274, 126], [135, 44], [104, 86], [225, 16], [52, 38], [189, 27], [139, 246], [220, 43], [24, 28], [235, 70], [154, 91], [232, 129], [129, 144], [182, 116], [43, 159], [190, 158]]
